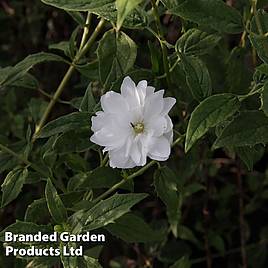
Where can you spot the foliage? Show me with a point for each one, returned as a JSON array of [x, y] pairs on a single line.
[[206, 206]]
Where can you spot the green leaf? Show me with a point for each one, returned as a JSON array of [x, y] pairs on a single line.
[[89, 70], [247, 129], [238, 76], [54, 203], [186, 234], [12, 74], [217, 242], [73, 121], [166, 189], [117, 54], [102, 8], [77, 16], [257, 37], [197, 77], [195, 42], [88, 102], [108, 210], [250, 155], [21, 227], [182, 263], [25, 81], [192, 189], [65, 144], [101, 177], [133, 229], [264, 99], [69, 261], [37, 211], [124, 7], [210, 113], [91, 262], [259, 42], [62, 46], [212, 13], [12, 185]]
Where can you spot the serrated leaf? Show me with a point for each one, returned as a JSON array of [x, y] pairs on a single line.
[[210, 113], [166, 189], [187, 234], [12, 185], [108, 210], [100, 177], [104, 212], [54, 203], [102, 8], [73, 121], [88, 102], [247, 129], [250, 155], [197, 77], [65, 144], [77, 16], [133, 229], [91, 262], [124, 7], [69, 261], [62, 46], [89, 70], [16, 72], [21, 227], [116, 54], [259, 42], [264, 99], [182, 263], [257, 37], [195, 42], [212, 13]]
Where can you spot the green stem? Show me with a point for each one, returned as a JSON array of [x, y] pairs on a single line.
[[86, 30], [67, 77], [123, 181], [35, 167], [23, 160], [104, 160], [133, 175], [161, 39], [257, 18]]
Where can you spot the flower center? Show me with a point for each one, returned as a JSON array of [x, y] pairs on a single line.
[[138, 127]]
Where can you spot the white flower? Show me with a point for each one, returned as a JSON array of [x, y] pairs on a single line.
[[134, 124]]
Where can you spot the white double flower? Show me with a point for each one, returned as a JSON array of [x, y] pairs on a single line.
[[134, 124]]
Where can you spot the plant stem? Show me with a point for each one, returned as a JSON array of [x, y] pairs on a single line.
[[244, 34], [133, 175], [35, 167], [23, 160], [123, 181], [104, 160], [257, 18], [86, 30], [163, 47], [67, 77]]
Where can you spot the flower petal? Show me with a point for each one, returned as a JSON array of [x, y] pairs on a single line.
[[127, 86], [168, 104], [117, 159], [153, 104], [159, 149], [157, 125], [113, 102], [141, 90]]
